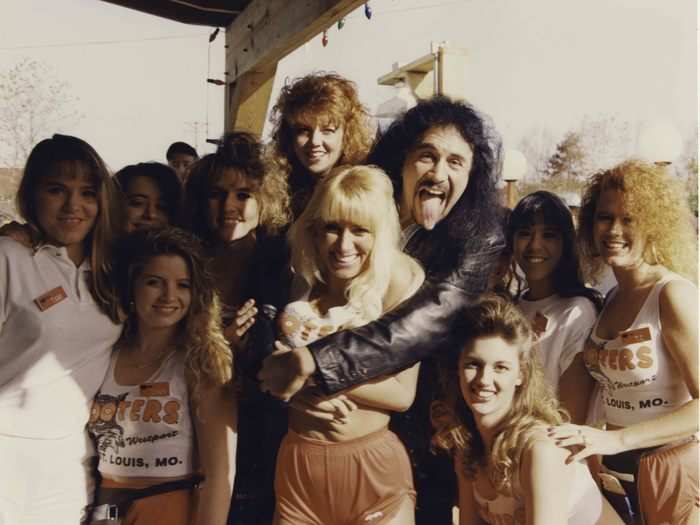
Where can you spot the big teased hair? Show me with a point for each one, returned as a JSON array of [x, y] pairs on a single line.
[[361, 195], [325, 98], [164, 177], [476, 210], [64, 154], [241, 152], [659, 210], [567, 276], [207, 353], [534, 403]]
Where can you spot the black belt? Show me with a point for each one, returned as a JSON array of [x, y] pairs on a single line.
[[121, 499]]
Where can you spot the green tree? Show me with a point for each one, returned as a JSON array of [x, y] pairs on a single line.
[[568, 159]]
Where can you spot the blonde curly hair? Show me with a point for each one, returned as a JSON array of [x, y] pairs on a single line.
[[325, 98], [659, 209], [534, 404], [208, 357]]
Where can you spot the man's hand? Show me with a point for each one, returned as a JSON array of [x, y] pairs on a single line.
[[285, 371]]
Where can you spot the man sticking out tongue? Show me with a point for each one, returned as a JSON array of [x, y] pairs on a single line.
[[443, 163], [435, 175]]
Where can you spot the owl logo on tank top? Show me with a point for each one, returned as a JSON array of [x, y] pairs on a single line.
[[103, 425]]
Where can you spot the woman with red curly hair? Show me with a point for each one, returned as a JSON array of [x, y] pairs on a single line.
[[319, 123], [643, 350]]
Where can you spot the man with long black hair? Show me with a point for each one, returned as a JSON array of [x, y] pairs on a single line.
[[443, 160]]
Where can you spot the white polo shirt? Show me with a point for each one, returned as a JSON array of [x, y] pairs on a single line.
[[54, 342]]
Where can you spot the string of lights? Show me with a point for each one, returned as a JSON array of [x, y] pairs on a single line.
[[341, 23]]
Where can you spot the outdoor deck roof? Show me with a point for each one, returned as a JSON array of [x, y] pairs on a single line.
[[215, 13]]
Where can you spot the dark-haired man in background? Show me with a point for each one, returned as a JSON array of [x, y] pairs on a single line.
[[181, 156]]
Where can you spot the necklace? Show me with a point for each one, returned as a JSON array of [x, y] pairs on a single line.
[[161, 357]]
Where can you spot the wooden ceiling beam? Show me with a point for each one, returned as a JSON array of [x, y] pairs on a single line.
[[264, 33], [268, 30]]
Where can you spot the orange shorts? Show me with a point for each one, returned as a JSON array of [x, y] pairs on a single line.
[[363, 481], [667, 482]]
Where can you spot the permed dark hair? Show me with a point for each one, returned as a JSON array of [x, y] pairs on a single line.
[[243, 152], [477, 207], [164, 177], [568, 278]]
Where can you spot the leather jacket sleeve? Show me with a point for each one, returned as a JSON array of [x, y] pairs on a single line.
[[412, 331]]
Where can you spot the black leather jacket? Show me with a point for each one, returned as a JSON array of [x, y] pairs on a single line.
[[422, 324]]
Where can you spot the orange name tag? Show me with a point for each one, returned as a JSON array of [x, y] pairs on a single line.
[[636, 336], [50, 298], [155, 389]]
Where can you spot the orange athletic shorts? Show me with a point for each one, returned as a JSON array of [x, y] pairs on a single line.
[[667, 482], [363, 481]]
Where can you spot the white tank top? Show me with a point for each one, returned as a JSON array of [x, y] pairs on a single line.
[[144, 430], [585, 503], [639, 378]]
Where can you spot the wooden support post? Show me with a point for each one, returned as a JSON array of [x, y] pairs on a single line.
[[247, 99], [265, 32]]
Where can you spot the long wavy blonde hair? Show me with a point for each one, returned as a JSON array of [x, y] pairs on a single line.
[[208, 357], [534, 403], [362, 195], [657, 204]]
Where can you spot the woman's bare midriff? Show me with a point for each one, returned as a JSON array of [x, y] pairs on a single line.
[[121, 482], [361, 422]]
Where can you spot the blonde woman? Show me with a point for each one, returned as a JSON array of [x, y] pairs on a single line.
[[500, 406], [165, 415], [345, 251], [643, 349]]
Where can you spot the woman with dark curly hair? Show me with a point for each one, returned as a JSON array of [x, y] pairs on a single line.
[[643, 350], [164, 414], [498, 409], [237, 208], [319, 122], [152, 195]]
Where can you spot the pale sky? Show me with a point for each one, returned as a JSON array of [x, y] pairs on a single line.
[[532, 63]]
